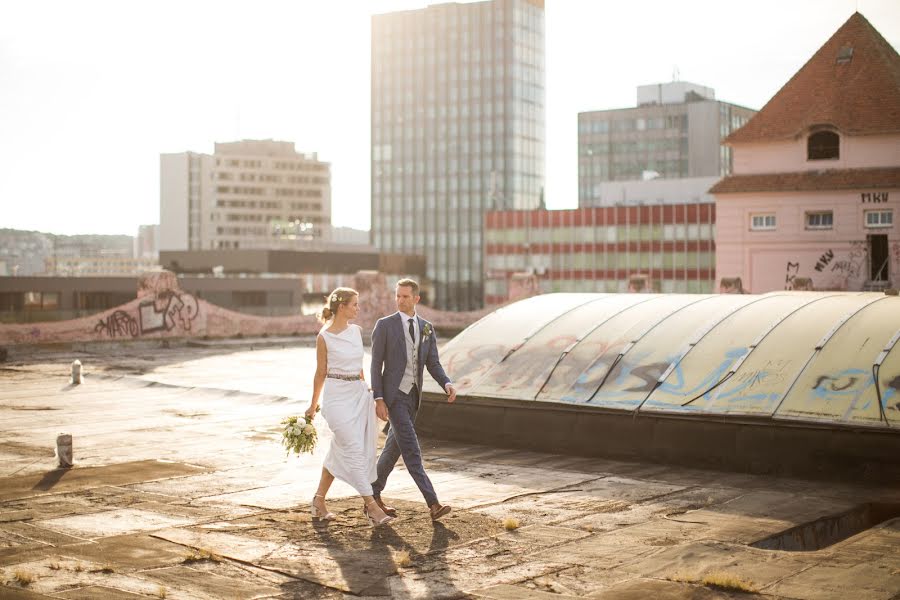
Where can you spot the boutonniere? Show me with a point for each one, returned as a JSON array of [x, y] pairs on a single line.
[[426, 331]]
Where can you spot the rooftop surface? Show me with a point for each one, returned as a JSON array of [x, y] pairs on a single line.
[[181, 489]]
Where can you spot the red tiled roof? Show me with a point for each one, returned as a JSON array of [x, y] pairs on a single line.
[[835, 179], [858, 97]]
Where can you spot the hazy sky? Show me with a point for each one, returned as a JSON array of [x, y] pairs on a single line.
[[92, 92]]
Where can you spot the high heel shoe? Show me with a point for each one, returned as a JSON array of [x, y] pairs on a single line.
[[372, 521], [318, 514]]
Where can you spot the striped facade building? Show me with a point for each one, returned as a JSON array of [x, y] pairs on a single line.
[[650, 247]]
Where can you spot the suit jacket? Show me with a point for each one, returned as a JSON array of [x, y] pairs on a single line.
[[389, 357]]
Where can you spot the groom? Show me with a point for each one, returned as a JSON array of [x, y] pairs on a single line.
[[402, 345]]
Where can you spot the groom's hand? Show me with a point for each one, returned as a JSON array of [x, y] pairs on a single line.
[[381, 410], [451, 393]]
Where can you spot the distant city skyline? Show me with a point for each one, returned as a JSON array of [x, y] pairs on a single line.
[[92, 96]]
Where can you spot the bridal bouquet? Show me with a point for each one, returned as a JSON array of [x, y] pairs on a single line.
[[299, 435]]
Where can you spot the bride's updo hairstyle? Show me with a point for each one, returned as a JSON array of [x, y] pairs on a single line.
[[341, 295]]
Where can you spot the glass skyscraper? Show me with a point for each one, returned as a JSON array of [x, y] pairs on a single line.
[[457, 129]]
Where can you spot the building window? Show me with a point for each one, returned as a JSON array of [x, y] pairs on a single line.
[[50, 300], [819, 220], [823, 145], [32, 299], [762, 222], [879, 218]]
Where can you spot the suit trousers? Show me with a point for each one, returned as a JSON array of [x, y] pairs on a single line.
[[402, 441]]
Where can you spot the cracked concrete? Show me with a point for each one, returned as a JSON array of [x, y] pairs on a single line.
[[181, 490]]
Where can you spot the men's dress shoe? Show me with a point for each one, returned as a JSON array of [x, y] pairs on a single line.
[[438, 510], [388, 510]]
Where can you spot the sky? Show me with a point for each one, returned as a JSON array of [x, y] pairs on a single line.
[[92, 92]]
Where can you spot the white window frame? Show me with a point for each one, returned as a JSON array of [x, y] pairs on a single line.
[[764, 224], [822, 213], [881, 224]]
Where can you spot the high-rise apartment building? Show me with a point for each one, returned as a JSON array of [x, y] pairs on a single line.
[[457, 129], [675, 131], [248, 194]]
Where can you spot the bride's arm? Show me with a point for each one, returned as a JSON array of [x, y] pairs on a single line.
[[362, 372], [319, 377]]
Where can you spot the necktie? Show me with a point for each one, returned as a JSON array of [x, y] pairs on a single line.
[[412, 332]]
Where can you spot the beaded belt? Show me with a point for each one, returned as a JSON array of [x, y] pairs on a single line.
[[344, 376]]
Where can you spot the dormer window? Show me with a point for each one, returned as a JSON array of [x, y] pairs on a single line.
[[823, 145]]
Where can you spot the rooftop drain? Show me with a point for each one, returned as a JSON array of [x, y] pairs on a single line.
[[830, 530]]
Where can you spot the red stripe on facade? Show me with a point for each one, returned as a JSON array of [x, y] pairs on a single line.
[[493, 249], [654, 214]]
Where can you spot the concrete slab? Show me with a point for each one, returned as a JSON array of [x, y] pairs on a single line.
[[128, 552], [241, 548], [642, 589], [207, 585], [589, 527], [9, 539], [66, 480], [596, 550], [55, 575], [461, 580], [112, 522], [33, 531], [760, 568], [581, 580], [823, 582], [544, 535], [99, 592], [506, 591], [14, 593]]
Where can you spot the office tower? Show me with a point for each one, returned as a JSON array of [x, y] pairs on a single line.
[[457, 129], [248, 194], [675, 131]]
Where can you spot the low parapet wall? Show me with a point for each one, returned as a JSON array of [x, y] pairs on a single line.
[[170, 315], [751, 445], [162, 310]]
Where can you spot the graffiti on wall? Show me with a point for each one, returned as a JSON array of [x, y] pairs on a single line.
[[895, 255], [168, 311], [165, 312], [118, 324], [792, 269], [846, 271], [824, 260]]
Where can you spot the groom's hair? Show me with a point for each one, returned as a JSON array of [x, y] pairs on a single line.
[[410, 283]]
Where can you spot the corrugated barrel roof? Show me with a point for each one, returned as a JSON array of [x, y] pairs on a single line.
[[807, 356]]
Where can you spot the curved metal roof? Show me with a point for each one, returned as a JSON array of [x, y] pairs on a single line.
[[809, 356]]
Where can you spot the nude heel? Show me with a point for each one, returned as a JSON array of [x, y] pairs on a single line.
[[317, 514], [372, 521]]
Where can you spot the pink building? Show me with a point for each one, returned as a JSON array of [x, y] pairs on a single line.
[[815, 189]]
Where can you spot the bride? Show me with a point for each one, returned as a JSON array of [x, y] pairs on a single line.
[[348, 407]]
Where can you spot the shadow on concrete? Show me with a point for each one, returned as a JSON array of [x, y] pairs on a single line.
[[50, 479], [368, 560]]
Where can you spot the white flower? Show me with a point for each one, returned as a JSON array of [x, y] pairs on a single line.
[[309, 429]]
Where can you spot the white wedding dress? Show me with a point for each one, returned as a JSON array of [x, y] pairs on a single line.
[[349, 410]]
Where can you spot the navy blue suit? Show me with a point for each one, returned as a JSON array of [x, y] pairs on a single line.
[[388, 367]]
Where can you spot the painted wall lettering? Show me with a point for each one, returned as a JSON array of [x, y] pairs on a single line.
[[792, 269], [824, 260], [873, 197]]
